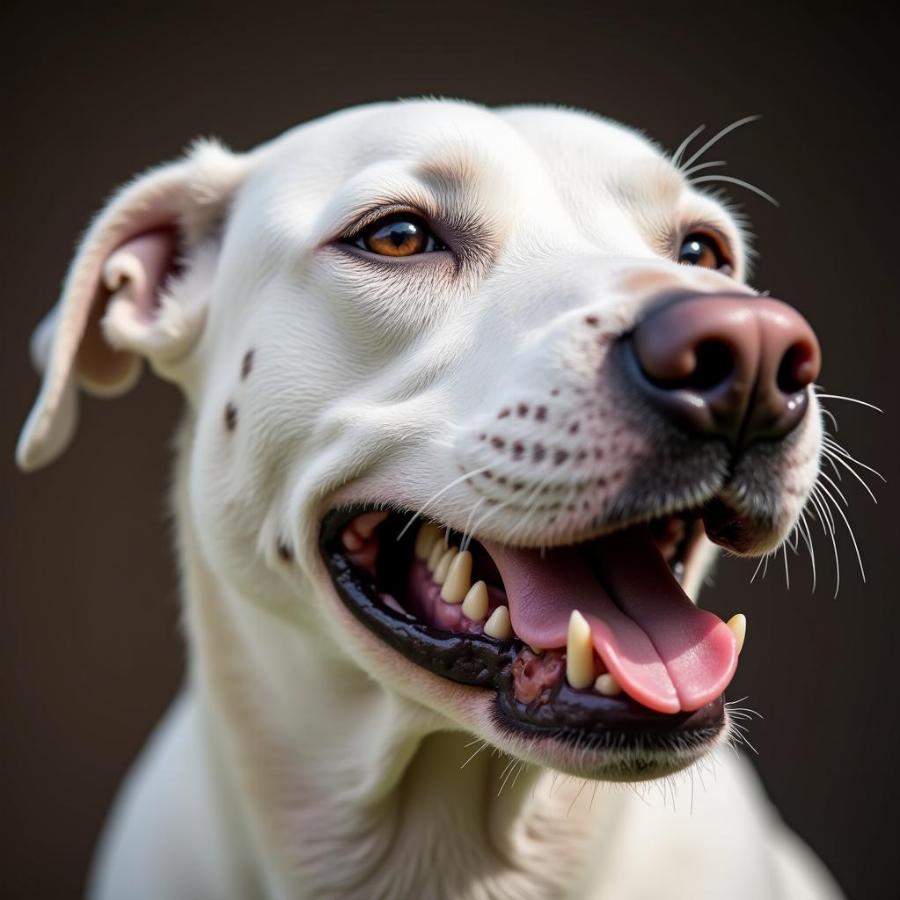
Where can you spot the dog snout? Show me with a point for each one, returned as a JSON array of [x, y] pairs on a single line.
[[733, 367]]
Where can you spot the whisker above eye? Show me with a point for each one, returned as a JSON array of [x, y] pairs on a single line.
[[718, 137], [703, 179], [682, 147], [700, 166]]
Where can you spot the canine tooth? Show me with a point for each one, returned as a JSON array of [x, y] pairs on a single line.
[[427, 537], [607, 685], [351, 541], [459, 578], [475, 606], [498, 625], [579, 652], [443, 567], [437, 553], [391, 602], [738, 626]]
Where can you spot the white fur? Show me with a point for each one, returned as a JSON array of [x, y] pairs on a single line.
[[306, 758]]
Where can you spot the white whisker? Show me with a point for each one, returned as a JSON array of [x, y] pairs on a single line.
[[718, 137], [787, 573], [701, 166], [803, 526], [439, 493], [703, 179], [682, 147], [837, 490], [849, 400], [826, 520], [834, 458], [762, 559], [467, 534], [834, 445], [840, 512], [830, 415]]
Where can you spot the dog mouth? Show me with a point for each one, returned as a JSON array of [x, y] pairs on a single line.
[[591, 641]]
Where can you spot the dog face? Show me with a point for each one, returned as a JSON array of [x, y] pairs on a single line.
[[469, 393]]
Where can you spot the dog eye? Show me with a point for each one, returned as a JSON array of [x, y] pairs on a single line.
[[399, 235], [700, 249]]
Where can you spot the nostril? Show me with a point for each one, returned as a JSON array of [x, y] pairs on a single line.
[[798, 368], [701, 367], [714, 364]]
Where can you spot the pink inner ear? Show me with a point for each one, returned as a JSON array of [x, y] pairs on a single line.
[[145, 261], [138, 269]]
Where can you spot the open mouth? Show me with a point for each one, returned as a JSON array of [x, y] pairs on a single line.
[[595, 641]]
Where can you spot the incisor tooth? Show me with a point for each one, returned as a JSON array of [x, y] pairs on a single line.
[[738, 626], [459, 578], [475, 606], [607, 685], [437, 553], [498, 625], [579, 652], [443, 567], [425, 540]]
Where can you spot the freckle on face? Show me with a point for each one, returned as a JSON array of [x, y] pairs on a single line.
[[247, 364]]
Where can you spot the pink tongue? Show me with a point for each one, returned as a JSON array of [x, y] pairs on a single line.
[[666, 653]]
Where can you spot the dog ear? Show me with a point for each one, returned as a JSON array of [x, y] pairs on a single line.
[[114, 310]]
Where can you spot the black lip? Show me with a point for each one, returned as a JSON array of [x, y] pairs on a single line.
[[578, 717], [471, 659], [479, 661]]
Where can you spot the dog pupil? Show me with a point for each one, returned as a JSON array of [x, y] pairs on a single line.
[[693, 251], [400, 232]]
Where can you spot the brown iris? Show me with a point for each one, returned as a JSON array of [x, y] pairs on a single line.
[[399, 235], [704, 250]]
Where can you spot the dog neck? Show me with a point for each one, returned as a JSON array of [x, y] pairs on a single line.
[[347, 789]]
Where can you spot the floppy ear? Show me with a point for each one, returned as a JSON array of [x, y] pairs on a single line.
[[115, 309]]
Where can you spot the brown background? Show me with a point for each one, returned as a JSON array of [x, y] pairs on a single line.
[[89, 630]]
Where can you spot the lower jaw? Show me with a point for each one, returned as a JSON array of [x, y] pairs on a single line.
[[581, 731]]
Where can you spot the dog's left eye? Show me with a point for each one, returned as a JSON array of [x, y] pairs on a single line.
[[398, 235], [700, 249]]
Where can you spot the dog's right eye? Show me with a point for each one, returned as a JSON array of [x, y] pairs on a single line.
[[402, 234]]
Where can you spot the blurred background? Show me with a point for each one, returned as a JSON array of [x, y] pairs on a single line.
[[89, 636]]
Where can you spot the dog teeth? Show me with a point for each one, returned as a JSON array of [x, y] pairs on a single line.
[[391, 602], [437, 553], [458, 579], [579, 652], [427, 537], [738, 626], [352, 541], [443, 567], [366, 524], [475, 606], [498, 625], [607, 685]]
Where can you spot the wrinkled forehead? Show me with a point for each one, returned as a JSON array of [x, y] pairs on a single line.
[[458, 154]]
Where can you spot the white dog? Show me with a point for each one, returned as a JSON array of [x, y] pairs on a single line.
[[468, 393]]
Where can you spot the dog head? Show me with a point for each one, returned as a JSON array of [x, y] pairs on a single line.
[[469, 392]]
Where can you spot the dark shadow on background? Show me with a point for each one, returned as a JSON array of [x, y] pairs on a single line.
[[89, 632]]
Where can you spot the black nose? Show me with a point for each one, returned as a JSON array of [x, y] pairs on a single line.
[[732, 367]]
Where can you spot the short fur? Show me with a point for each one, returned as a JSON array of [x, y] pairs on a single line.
[[305, 758]]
